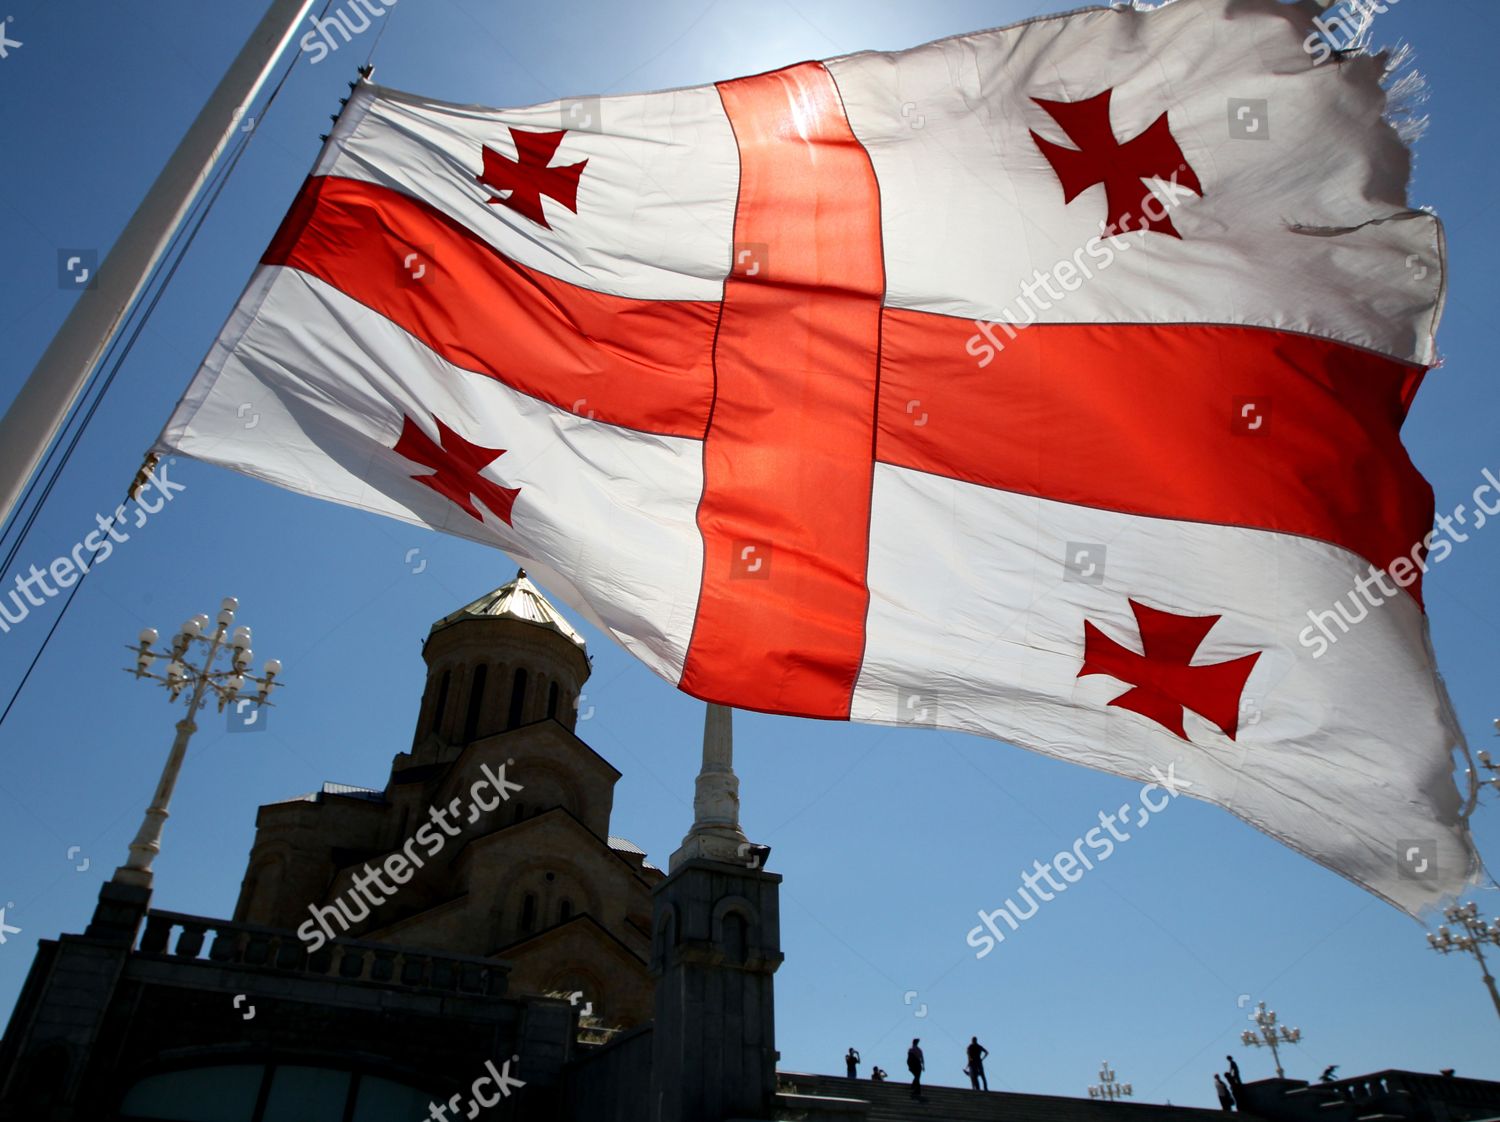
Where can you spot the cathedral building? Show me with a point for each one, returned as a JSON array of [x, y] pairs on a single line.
[[467, 938], [533, 876]]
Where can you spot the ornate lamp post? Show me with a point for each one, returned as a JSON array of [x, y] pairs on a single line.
[[190, 667], [1476, 932], [1487, 764], [1107, 1088], [1271, 1035]]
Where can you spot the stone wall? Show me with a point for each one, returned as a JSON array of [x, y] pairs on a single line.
[[97, 1016], [612, 1083]]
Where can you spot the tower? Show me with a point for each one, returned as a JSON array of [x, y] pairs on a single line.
[[505, 660], [715, 951]]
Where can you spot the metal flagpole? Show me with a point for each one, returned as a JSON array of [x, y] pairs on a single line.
[[40, 409]]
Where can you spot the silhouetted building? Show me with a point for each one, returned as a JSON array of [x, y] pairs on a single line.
[[537, 881], [1386, 1095], [521, 916]]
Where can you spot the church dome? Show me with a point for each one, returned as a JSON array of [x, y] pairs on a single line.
[[520, 600], [499, 662]]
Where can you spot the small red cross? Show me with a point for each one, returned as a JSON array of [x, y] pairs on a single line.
[[1122, 168], [529, 178], [456, 465], [1163, 680]]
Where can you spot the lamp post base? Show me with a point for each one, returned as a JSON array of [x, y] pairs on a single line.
[[136, 878], [121, 908]]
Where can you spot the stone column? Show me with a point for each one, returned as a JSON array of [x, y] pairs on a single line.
[[715, 951], [716, 832]]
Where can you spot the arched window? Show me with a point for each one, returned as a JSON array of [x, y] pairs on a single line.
[[517, 698], [736, 937], [442, 702], [528, 912], [565, 911], [476, 701], [664, 937], [552, 700]]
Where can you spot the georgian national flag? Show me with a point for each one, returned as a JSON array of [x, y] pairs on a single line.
[[747, 374]]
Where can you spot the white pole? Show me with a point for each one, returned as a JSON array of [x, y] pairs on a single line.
[[43, 405], [147, 843], [716, 832]]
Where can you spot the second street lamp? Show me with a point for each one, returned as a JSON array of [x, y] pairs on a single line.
[[1270, 1035], [188, 669], [1107, 1088], [1475, 933]]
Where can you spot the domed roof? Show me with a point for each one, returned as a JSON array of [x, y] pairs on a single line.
[[520, 599]]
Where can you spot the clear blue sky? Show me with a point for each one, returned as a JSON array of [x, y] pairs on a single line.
[[889, 839]]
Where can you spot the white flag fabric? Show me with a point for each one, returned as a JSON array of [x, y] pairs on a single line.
[[1044, 383]]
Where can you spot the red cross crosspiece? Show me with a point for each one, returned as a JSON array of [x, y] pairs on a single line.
[[528, 178], [456, 465], [1122, 168], [1163, 679]]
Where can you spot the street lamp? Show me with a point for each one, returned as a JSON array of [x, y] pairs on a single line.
[[1492, 780], [1107, 1088], [190, 667], [1475, 934], [1271, 1035]]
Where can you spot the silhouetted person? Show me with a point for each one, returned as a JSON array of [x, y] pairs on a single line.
[[1226, 1100], [877, 1074], [977, 1053], [915, 1063], [1236, 1087], [851, 1061], [1327, 1076]]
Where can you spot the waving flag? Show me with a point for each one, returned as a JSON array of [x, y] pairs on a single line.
[[1035, 383]]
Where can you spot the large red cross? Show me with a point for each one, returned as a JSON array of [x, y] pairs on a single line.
[[805, 378]]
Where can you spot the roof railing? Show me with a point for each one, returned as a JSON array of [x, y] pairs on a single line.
[[188, 938]]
